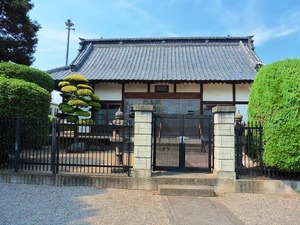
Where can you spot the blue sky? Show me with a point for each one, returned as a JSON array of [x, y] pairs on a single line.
[[274, 24]]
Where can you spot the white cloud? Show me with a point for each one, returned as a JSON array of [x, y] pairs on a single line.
[[50, 40], [58, 36], [286, 25], [251, 20], [137, 15], [53, 44], [264, 34], [132, 6]]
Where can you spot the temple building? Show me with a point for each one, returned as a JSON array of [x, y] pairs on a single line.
[[177, 75]]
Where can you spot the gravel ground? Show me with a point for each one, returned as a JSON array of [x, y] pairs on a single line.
[[256, 209], [22, 204], [40, 205]]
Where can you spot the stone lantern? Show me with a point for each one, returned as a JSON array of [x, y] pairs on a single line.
[[238, 118], [118, 140]]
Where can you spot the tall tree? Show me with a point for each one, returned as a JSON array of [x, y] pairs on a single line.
[[18, 33]]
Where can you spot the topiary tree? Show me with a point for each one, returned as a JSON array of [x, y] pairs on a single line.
[[275, 102], [79, 99]]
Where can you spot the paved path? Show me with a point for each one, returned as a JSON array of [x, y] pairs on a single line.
[[42, 205], [204, 211]]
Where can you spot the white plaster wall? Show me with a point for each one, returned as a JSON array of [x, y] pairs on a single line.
[[109, 91], [136, 88], [188, 88], [152, 87], [217, 92], [242, 92], [53, 109]]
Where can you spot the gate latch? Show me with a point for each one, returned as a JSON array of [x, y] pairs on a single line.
[[182, 139]]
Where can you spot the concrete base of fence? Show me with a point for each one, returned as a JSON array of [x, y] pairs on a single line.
[[257, 186], [266, 186], [225, 186], [111, 181], [98, 181], [141, 173]]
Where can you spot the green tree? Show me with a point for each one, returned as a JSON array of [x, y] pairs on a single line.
[[275, 102], [18, 37], [79, 98]]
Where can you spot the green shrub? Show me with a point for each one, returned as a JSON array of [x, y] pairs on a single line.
[[28, 74], [27, 101], [275, 102], [253, 145], [23, 99]]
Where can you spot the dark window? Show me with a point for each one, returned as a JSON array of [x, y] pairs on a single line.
[[167, 106], [107, 113], [161, 88]]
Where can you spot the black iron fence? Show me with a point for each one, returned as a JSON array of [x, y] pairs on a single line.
[[59, 146], [249, 154]]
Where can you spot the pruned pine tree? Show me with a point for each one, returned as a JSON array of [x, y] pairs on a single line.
[[79, 99]]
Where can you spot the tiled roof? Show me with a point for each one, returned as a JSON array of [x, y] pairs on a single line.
[[202, 59]]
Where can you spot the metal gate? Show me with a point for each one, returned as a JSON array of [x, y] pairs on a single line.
[[182, 142]]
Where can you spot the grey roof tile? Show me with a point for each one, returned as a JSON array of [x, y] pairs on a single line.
[[209, 59]]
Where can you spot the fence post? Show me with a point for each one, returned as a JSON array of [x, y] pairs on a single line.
[[239, 131], [58, 143], [53, 146], [224, 147], [18, 144], [142, 140]]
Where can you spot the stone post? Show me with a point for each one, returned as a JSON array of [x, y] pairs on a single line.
[[142, 140], [224, 150]]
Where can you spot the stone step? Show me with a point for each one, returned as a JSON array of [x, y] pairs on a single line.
[[187, 190], [199, 179], [186, 181]]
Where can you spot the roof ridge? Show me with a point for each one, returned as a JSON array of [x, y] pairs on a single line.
[[160, 38], [81, 57], [179, 44], [58, 69], [164, 40], [254, 62]]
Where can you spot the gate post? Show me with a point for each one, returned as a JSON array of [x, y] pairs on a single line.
[[224, 148], [142, 140]]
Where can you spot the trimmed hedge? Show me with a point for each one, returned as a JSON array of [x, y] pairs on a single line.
[[24, 94], [275, 102], [28, 74], [23, 99], [29, 102]]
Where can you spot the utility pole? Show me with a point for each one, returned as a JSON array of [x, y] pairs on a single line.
[[69, 25]]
